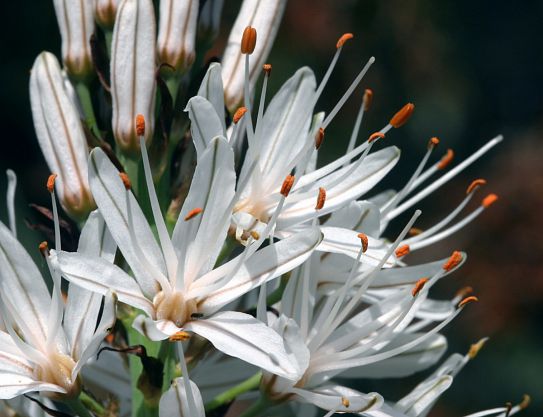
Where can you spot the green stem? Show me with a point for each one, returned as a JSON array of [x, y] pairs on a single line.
[[276, 296], [257, 408], [86, 103], [109, 38], [91, 404], [78, 408], [231, 394]]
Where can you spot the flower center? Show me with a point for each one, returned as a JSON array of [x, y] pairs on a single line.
[[174, 307], [59, 372]]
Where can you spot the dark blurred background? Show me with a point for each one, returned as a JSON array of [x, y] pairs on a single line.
[[473, 69]]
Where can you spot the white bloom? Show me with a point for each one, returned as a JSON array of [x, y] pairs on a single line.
[[76, 24], [175, 283], [60, 134], [177, 33], [133, 72]]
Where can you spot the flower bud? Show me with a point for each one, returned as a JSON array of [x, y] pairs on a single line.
[[177, 33], [76, 25], [265, 17], [133, 72], [60, 135], [105, 11], [210, 20]]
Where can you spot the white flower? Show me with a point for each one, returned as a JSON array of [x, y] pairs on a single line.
[[175, 283], [60, 134], [133, 72], [76, 24]]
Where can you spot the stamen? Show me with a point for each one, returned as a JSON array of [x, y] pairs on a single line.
[[375, 136], [248, 40], [419, 286], [44, 249], [433, 142], [140, 125], [180, 336], [475, 184], [254, 234], [467, 300], [446, 159], [402, 251], [489, 200], [402, 116], [319, 137], [267, 69], [126, 180], [526, 400], [345, 401], [476, 347], [453, 261], [414, 231], [368, 99], [10, 200], [239, 114], [287, 185], [463, 292], [344, 38], [193, 213], [364, 240], [51, 182], [321, 198]]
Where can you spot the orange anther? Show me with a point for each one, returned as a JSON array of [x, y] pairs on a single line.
[[321, 198], [319, 137], [464, 292], [468, 300], [267, 69], [51, 182], [402, 251], [344, 38], [193, 213], [248, 40], [526, 400], [475, 184], [255, 235], [110, 338], [453, 261], [419, 286], [368, 99], [126, 181], [402, 116], [44, 248], [345, 401], [364, 239], [446, 160], [433, 142], [489, 200], [476, 347], [375, 136], [239, 114], [140, 125], [287, 185], [414, 231], [180, 336]]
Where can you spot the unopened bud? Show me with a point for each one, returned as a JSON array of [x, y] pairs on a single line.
[[133, 86], [177, 33], [105, 11], [402, 116], [248, 40], [76, 25], [60, 135]]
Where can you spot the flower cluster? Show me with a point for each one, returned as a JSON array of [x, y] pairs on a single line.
[[219, 269]]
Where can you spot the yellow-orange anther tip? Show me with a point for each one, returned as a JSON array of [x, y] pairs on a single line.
[[180, 336], [526, 400], [476, 347], [193, 213], [43, 247], [402, 116], [446, 160], [344, 38], [489, 200], [453, 261], [140, 125], [368, 98], [414, 231], [464, 292], [402, 251], [267, 69], [51, 182], [255, 235], [375, 136], [248, 40], [364, 240], [126, 180], [319, 137], [321, 198], [239, 114], [475, 184], [468, 300], [345, 401], [419, 285], [287, 185], [433, 142]]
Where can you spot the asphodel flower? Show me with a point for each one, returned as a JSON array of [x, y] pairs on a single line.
[[105, 11], [133, 72], [177, 33], [265, 18], [46, 343], [60, 134], [76, 24], [175, 283]]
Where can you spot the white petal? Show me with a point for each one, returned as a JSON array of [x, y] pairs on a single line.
[[424, 396], [363, 216], [333, 397], [11, 359], [174, 402], [205, 123], [295, 345], [13, 384], [242, 336], [264, 265], [211, 87], [155, 329], [96, 239], [111, 198]]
